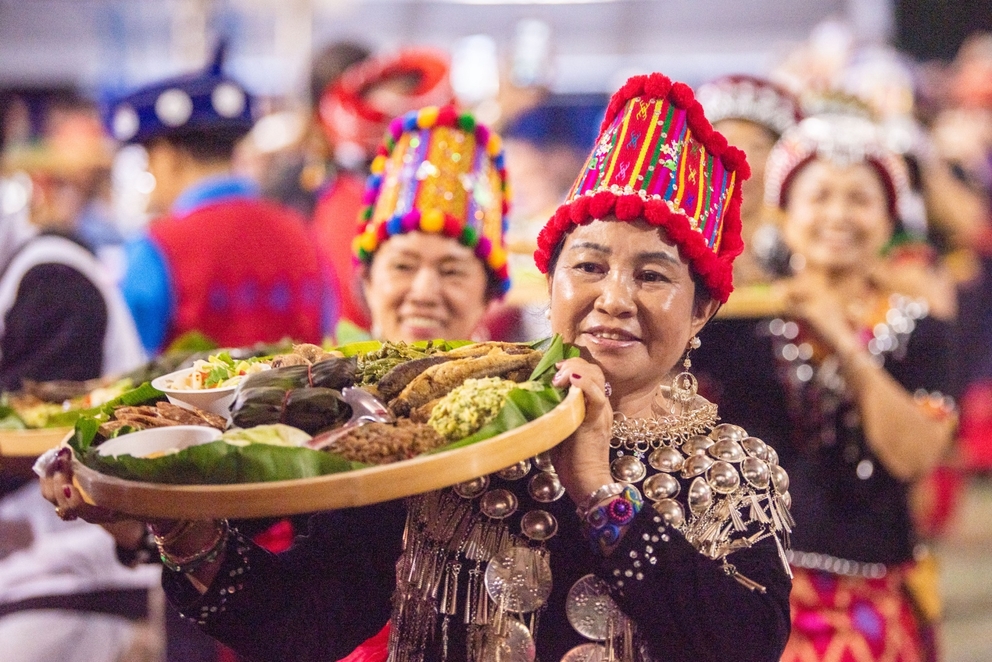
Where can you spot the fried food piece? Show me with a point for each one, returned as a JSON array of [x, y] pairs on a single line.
[[312, 353], [422, 414], [194, 416], [382, 443], [394, 381], [484, 348], [438, 380], [284, 360]]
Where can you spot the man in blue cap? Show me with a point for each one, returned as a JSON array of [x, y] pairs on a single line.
[[220, 260]]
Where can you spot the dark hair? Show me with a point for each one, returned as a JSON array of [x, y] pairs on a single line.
[[330, 63], [701, 293], [205, 144]]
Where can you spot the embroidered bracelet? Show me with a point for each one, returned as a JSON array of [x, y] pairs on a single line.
[[605, 520], [209, 554]]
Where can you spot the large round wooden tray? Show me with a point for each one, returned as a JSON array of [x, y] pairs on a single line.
[[341, 490], [30, 443]]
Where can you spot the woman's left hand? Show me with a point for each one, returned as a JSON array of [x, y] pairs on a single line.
[[583, 460]]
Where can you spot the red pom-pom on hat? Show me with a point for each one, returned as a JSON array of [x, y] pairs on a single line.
[[628, 207]]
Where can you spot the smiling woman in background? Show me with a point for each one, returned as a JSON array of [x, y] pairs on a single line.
[[849, 385]]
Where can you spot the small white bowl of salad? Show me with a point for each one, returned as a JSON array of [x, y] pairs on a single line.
[[210, 384]]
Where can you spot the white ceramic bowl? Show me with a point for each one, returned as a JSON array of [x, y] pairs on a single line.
[[216, 400], [156, 440]]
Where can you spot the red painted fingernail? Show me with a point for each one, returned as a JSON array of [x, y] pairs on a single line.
[[67, 491], [576, 375]]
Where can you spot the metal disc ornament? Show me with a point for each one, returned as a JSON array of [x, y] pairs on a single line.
[[543, 461], [696, 445], [755, 448], [666, 459], [723, 477], [590, 609], [516, 471], [539, 525], [515, 644], [756, 472], [780, 479], [696, 465], [628, 469], [520, 579], [586, 653], [700, 496], [660, 486], [771, 456], [728, 431], [671, 512], [545, 487], [498, 504], [472, 488], [726, 450]]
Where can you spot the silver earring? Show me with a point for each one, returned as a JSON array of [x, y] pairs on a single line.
[[685, 386]]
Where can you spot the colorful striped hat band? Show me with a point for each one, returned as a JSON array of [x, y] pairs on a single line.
[[441, 172], [659, 160]]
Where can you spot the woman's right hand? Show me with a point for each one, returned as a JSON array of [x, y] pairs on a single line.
[[57, 487]]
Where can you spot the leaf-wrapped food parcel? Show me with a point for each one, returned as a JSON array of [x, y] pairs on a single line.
[[335, 373], [314, 410], [284, 378], [258, 406]]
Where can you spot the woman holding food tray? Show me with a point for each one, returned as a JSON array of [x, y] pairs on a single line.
[[651, 533]]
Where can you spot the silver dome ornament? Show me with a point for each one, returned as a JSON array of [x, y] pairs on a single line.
[[514, 644], [515, 471], [671, 512], [545, 487], [771, 456], [787, 500], [700, 496], [756, 472], [728, 431], [539, 525], [755, 448], [228, 100], [173, 107], [780, 479], [628, 469], [543, 461], [586, 653], [696, 465], [519, 579], [660, 486], [723, 477], [727, 451], [696, 445], [498, 504], [472, 488], [590, 609], [666, 459]]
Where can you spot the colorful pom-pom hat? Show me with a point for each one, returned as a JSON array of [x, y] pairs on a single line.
[[758, 100], [439, 171], [659, 160], [841, 139]]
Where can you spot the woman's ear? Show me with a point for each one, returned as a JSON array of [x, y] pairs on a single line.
[[703, 311]]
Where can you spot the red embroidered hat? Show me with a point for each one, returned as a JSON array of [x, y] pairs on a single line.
[[659, 160]]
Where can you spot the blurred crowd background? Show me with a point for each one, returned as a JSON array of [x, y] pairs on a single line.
[[541, 73]]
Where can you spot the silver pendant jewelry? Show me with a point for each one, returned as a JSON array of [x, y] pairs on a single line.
[[660, 486], [543, 461], [671, 512], [755, 448], [727, 451], [628, 469], [696, 445], [696, 465], [590, 609], [756, 472], [513, 644], [519, 580], [723, 477], [539, 525], [545, 487], [666, 459], [498, 504], [586, 653], [472, 488], [728, 431], [516, 471], [780, 479], [700, 496]]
